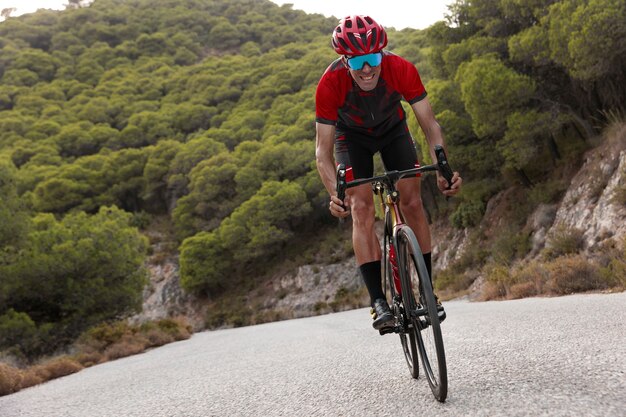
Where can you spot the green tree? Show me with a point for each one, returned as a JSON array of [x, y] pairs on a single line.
[[491, 91], [18, 333], [204, 263], [155, 175], [224, 35], [522, 140], [13, 219], [263, 224], [75, 140], [212, 195], [77, 272], [39, 62], [189, 156]]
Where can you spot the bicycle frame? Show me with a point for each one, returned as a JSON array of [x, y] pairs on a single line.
[[384, 186], [389, 199]]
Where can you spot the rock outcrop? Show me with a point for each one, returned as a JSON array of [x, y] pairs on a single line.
[[590, 204]]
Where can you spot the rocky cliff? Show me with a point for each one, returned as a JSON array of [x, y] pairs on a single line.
[[591, 203]]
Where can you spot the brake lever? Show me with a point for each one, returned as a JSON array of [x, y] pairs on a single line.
[[341, 183], [444, 166]]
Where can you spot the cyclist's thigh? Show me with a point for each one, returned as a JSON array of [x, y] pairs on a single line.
[[356, 153], [399, 151], [353, 151]]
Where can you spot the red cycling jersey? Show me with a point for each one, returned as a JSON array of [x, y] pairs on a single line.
[[340, 101]]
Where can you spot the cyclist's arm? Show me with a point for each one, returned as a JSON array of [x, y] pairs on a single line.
[[325, 161], [434, 136], [431, 128]]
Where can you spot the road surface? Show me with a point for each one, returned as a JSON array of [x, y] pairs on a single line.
[[561, 356]]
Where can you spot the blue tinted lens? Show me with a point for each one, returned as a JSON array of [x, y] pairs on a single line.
[[373, 60]]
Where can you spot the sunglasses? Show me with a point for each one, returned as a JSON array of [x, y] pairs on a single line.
[[373, 60]]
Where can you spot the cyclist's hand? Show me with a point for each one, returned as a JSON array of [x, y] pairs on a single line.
[[454, 189], [337, 209]]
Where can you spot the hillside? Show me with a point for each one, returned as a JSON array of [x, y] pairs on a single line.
[[592, 212], [157, 151]]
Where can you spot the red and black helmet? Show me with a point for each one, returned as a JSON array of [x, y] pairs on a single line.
[[358, 35]]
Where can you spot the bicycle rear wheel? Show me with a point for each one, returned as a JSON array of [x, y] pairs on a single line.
[[421, 306]]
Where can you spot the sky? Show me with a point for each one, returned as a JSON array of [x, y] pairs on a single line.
[[400, 14]]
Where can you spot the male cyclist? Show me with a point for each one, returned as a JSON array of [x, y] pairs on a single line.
[[358, 114]]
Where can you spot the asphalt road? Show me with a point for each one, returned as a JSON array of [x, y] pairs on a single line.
[[534, 357]]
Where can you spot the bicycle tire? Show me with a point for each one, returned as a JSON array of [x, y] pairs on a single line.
[[419, 300], [408, 339]]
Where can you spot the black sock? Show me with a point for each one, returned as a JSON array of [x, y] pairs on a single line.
[[370, 272]]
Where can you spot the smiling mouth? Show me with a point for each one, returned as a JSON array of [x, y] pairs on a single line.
[[367, 77]]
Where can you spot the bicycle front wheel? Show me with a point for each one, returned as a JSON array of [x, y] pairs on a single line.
[[408, 339], [419, 300]]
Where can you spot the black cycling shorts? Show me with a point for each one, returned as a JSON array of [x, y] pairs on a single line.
[[356, 151]]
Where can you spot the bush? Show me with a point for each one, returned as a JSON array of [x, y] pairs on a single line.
[[127, 346], [93, 269], [615, 274], [619, 195], [563, 241], [530, 279], [177, 328], [231, 311], [156, 337], [104, 342], [499, 280], [346, 298], [547, 192], [509, 245], [121, 339], [268, 316], [87, 359], [452, 280], [99, 337], [55, 368], [523, 290], [30, 378], [17, 329], [573, 274], [467, 214]]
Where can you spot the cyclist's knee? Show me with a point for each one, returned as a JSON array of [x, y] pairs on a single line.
[[362, 212], [412, 204]]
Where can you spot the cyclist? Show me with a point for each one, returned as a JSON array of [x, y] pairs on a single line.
[[358, 114]]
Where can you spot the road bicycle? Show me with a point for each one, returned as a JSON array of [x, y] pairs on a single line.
[[413, 302]]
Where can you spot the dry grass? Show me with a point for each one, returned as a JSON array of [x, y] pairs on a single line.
[[563, 241], [10, 379], [14, 379], [571, 274], [563, 275], [523, 290], [30, 378], [127, 346], [99, 344], [88, 359]]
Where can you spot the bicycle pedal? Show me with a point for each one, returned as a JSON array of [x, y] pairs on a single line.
[[387, 330]]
